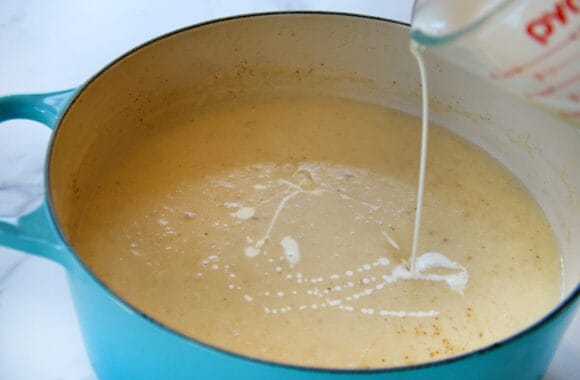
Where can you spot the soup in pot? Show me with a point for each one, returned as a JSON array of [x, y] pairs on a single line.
[[280, 228]]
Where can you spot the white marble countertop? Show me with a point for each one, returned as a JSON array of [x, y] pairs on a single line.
[[58, 44]]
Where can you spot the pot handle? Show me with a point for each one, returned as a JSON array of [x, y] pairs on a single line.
[[35, 233]]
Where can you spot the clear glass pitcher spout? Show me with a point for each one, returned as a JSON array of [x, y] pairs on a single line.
[[529, 47]]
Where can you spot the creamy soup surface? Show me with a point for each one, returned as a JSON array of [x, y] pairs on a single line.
[[281, 229]]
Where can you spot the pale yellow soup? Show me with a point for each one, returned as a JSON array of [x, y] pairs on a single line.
[[280, 228]]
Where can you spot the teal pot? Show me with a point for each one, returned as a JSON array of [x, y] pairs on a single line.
[[355, 57]]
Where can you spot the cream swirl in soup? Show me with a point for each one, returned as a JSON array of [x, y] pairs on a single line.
[[281, 228]]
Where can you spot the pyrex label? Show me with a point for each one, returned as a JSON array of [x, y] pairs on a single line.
[[543, 27]]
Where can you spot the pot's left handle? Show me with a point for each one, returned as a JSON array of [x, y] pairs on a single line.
[[35, 233]]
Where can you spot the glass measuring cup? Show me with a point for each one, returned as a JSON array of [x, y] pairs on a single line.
[[528, 47]]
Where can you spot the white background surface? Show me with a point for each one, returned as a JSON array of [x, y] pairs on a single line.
[[58, 44]]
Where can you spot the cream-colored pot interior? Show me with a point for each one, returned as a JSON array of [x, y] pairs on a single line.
[[352, 57]]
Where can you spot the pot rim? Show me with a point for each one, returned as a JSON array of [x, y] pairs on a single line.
[[562, 306]]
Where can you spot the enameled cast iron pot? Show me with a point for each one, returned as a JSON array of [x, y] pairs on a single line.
[[349, 56]]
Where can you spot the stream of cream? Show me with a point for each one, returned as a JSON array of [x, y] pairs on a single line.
[[415, 49]]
